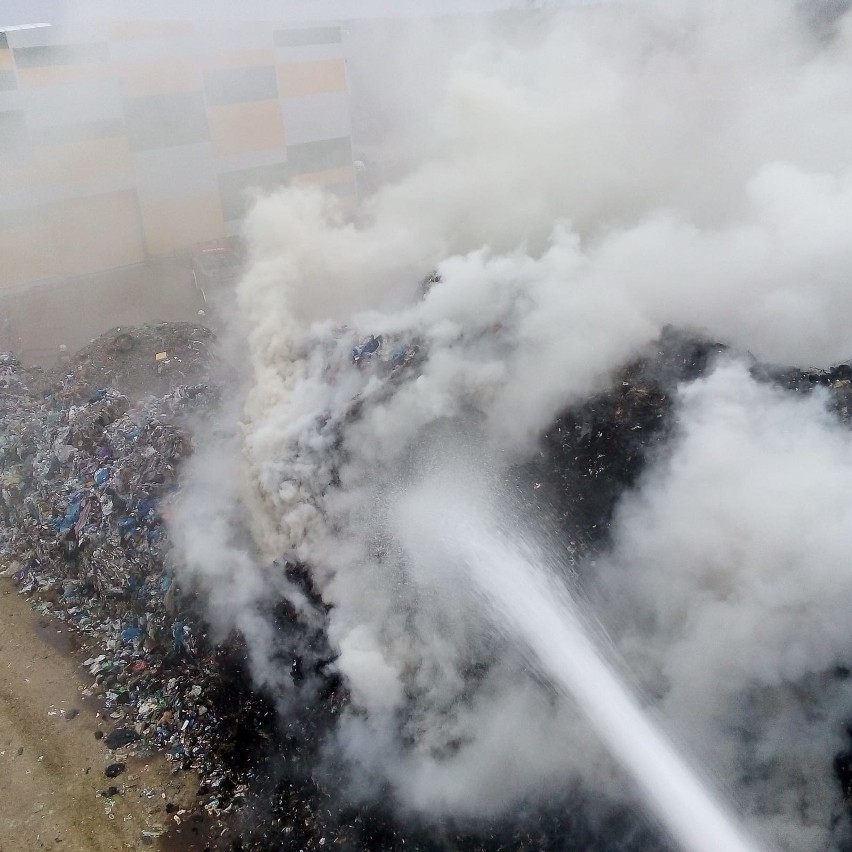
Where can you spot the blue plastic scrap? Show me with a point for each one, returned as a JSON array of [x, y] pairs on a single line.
[[366, 349], [72, 513], [127, 525]]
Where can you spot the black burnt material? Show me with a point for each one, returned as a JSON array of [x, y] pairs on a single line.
[[835, 381], [596, 449]]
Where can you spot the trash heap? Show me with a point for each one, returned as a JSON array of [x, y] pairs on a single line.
[[86, 477], [90, 458], [151, 359], [88, 473]]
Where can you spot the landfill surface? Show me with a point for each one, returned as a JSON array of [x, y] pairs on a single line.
[[90, 459], [90, 452]]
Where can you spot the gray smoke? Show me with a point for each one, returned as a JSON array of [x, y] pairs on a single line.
[[589, 176]]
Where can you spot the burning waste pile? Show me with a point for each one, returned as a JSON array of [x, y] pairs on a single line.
[[431, 723], [507, 534], [551, 550], [86, 477]]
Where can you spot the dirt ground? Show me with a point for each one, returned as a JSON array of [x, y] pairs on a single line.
[[52, 780]]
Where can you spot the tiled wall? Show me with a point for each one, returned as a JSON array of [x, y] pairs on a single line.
[[144, 140]]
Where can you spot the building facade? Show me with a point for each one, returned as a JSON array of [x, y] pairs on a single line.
[[145, 138]]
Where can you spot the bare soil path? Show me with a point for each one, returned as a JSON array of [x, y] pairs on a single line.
[[54, 794]]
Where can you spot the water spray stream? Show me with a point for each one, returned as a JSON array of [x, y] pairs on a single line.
[[533, 605]]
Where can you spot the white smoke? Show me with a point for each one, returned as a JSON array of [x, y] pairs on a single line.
[[726, 590], [594, 176]]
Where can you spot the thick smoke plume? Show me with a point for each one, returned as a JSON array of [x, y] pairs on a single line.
[[588, 177]]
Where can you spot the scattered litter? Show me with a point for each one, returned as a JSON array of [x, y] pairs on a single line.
[[153, 831], [89, 459]]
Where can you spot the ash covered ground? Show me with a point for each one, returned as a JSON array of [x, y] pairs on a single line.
[[90, 473]]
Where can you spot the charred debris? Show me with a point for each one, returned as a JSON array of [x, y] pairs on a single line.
[[90, 455]]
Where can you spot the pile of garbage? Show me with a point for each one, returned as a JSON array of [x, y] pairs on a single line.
[[86, 476], [90, 460], [151, 359]]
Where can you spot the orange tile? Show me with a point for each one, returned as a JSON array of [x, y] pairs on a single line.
[[84, 160], [325, 178], [313, 77], [70, 162], [249, 126], [56, 75]]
